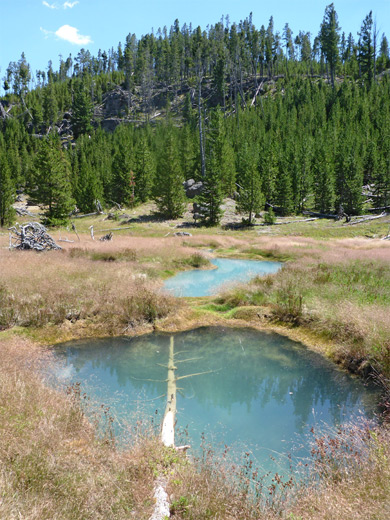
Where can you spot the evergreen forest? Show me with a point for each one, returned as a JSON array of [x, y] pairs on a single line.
[[275, 120]]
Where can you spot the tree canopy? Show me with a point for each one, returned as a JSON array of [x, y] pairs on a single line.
[[286, 120]]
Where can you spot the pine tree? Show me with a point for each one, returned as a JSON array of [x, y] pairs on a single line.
[[219, 82], [82, 110], [329, 38], [251, 197], [349, 177], [144, 171], [50, 106], [169, 192], [211, 197], [381, 176], [323, 175], [228, 169], [188, 147], [89, 188], [7, 190], [123, 185], [283, 188], [366, 49], [384, 54], [302, 173], [189, 114], [52, 186], [382, 184], [223, 155]]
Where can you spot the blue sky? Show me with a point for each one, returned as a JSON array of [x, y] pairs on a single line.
[[44, 29]]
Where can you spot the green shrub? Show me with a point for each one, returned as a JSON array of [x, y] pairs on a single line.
[[145, 305], [269, 217], [196, 260], [289, 303]]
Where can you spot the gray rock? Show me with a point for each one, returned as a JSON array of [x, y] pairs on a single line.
[[110, 124], [188, 184], [198, 208], [194, 190], [116, 103]]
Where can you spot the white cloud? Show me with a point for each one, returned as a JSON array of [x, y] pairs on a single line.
[[65, 5], [69, 4], [45, 32], [50, 6], [71, 34]]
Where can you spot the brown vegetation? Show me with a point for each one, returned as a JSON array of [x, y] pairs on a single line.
[[52, 464], [339, 291], [95, 289], [349, 479]]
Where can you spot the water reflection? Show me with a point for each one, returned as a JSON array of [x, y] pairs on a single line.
[[262, 389]]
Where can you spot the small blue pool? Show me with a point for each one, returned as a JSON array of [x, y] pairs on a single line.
[[199, 282]]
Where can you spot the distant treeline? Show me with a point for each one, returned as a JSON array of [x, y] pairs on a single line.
[[299, 123]]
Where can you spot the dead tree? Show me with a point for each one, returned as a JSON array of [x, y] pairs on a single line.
[[106, 238], [367, 219], [31, 236]]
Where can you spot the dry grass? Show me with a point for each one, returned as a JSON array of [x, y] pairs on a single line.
[[349, 479], [340, 293], [354, 471], [106, 289], [52, 465]]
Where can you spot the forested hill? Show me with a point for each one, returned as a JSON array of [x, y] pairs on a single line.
[[295, 122]]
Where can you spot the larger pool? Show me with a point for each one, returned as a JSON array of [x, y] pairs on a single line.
[[254, 391]]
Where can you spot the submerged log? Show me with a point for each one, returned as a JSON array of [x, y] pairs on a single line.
[[168, 426]]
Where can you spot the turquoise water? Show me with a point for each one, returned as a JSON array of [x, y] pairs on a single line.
[[255, 392], [200, 282]]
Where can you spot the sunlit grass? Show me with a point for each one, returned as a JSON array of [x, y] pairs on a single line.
[[346, 300], [336, 289], [98, 288], [53, 465]]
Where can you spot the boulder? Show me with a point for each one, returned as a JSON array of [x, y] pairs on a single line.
[[116, 103], [188, 184], [110, 124], [194, 190]]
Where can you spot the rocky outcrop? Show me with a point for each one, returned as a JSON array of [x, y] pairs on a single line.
[[116, 103], [110, 124]]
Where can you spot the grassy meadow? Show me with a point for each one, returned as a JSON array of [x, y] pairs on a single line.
[[333, 293]]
